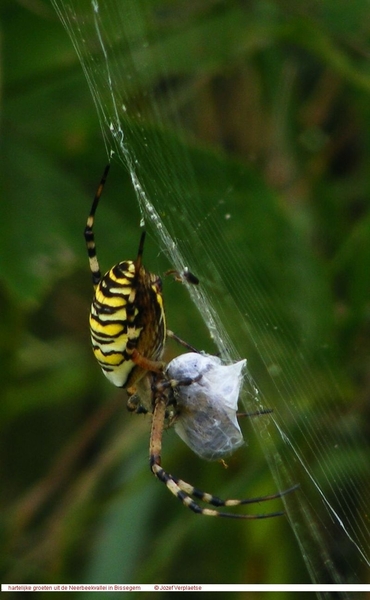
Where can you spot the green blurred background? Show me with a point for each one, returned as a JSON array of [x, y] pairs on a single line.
[[292, 105]]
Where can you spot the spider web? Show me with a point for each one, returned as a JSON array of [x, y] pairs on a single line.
[[131, 76]]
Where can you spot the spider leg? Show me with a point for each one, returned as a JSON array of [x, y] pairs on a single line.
[[89, 234], [264, 411], [216, 501], [185, 275], [153, 366], [182, 490], [175, 337], [160, 386]]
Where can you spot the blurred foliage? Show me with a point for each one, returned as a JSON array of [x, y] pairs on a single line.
[[283, 104]]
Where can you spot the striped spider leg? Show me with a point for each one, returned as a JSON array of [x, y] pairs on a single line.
[[183, 491]]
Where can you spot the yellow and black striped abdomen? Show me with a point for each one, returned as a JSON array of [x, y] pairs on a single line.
[[127, 314], [127, 321]]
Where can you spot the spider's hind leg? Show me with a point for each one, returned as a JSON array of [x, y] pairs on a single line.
[[89, 233]]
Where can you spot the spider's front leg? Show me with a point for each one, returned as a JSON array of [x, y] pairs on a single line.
[[182, 490], [160, 402], [155, 450]]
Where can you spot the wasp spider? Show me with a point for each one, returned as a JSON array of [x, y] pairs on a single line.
[[128, 334]]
